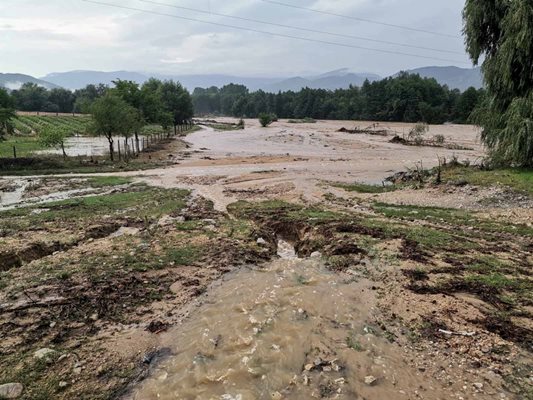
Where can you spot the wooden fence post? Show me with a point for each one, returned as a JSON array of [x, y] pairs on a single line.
[[14, 152]]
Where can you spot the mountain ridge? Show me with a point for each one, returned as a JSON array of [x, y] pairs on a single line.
[[454, 77], [13, 81]]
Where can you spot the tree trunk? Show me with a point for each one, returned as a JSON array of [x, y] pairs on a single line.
[[137, 142], [111, 149], [63, 149], [175, 130]]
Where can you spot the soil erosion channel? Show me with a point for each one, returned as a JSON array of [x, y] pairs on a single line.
[[293, 330]]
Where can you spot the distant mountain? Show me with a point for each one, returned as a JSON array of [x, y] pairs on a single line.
[[454, 77], [332, 80], [339, 79], [79, 79], [15, 81]]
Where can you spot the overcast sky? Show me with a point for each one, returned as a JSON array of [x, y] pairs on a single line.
[[38, 37]]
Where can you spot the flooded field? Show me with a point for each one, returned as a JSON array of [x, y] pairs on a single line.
[[89, 146], [271, 263]]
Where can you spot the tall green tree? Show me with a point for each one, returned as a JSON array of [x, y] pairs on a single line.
[[176, 101], [63, 99], [112, 117], [30, 97], [7, 114], [86, 97], [500, 32], [130, 92]]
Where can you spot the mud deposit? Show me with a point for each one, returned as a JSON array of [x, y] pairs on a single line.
[[291, 329], [165, 283]]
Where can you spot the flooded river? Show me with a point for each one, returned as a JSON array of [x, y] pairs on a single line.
[[292, 330]]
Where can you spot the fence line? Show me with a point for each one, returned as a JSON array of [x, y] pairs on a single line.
[[127, 151]]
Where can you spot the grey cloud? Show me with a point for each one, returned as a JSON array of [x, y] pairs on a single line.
[[98, 37]]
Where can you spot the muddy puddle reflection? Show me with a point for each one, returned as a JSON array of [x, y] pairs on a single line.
[[291, 330]]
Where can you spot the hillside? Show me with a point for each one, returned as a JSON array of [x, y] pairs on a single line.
[[454, 77], [15, 81], [79, 79]]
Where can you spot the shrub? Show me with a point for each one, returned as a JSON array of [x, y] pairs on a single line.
[[416, 134], [265, 119], [439, 139]]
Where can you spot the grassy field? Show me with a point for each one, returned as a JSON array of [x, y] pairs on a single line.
[[30, 124], [25, 145]]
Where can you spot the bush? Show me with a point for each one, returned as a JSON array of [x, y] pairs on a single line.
[[266, 119], [417, 133], [439, 139]]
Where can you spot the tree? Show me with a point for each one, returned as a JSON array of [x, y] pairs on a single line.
[[176, 101], [63, 99], [54, 136], [466, 103], [501, 33], [7, 114], [85, 97], [265, 119], [129, 92], [112, 117], [30, 97]]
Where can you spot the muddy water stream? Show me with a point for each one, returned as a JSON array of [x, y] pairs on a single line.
[[291, 330]]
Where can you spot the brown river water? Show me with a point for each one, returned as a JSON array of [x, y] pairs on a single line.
[[290, 330]]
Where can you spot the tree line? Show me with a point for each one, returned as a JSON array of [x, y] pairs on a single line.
[[405, 98]]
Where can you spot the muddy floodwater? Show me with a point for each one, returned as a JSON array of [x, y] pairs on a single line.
[[89, 146], [289, 330]]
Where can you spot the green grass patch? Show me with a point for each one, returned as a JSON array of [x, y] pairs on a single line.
[[498, 281], [519, 179], [103, 181], [365, 188], [487, 264], [450, 216], [429, 237], [353, 343], [141, 202], [25, 146], [183, 255]]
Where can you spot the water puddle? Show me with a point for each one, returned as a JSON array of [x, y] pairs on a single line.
[[291, 330], [12, 197]]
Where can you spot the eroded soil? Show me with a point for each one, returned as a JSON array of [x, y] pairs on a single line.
[[419, 290]]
